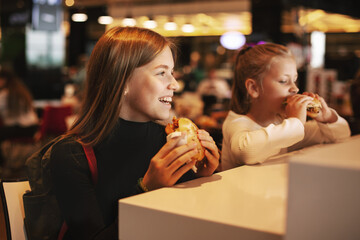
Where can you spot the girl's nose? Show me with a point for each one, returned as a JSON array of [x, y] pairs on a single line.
[[294, 89], [174, 85]]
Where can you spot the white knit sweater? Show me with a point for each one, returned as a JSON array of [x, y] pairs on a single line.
[[246, 142]]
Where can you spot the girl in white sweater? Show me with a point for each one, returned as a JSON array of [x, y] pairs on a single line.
[[259, 124]]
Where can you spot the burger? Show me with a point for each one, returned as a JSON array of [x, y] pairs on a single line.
[[179, 125], [313, 108]]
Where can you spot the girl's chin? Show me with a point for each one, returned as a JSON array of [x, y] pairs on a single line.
[[163, 116]]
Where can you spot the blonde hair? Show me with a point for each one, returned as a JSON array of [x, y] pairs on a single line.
[[113, 60], [252, 62]]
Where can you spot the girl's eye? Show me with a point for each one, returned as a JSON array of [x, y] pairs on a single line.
[[161, 73], [282, 81]]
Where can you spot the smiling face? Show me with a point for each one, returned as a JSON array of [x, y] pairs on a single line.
[[149, 93], [277, 85]]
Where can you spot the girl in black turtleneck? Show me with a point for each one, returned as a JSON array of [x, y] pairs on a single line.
[[129, 86]]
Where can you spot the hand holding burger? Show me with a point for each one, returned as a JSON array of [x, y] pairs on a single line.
[[207, 159], [316, 107], [178, 156], [319, 110]]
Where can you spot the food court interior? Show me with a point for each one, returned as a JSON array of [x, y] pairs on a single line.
[[47, 43]]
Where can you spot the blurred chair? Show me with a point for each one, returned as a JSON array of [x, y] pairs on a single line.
[[53, 121], [17, 146], [11, 193], [17, 150]]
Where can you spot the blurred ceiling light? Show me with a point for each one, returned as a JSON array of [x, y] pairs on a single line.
[[69, 3], [150, 23], [105, 20], [188, 28], [232, 40], [79, 17], [170, 26], [129, 21]]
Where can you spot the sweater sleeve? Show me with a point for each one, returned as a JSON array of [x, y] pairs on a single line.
[[255, 146], [75, 193], [316, 133]]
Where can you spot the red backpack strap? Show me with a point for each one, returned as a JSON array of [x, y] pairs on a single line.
[[90, 156], [63, 230]]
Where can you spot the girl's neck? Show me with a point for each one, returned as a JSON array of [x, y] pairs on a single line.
[[264, 118]]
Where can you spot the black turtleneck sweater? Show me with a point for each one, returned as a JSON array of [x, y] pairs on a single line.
[[122, 158]]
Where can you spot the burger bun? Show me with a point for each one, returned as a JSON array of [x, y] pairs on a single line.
[[313, 108]]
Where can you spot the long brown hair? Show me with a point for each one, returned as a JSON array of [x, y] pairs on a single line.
[[113, 60], [252, 62], [19, 98]]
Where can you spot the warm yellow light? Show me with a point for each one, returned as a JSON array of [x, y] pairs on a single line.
[[352, 28], [309, 17], [210, 24], [69, 3], [320, 26], [232, 23]]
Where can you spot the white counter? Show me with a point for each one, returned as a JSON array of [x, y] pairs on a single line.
[[248, 202], [324, 193]]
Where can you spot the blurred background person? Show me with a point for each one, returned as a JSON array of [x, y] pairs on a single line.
[[213, 90], [18, 118]]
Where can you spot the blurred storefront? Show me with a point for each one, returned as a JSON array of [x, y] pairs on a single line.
[[47, 44]]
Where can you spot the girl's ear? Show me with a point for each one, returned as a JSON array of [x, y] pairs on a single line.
[[126, 89], [252, 88]]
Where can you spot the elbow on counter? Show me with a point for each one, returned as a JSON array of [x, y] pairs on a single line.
[[247, 155], [244, 150], [339, 131], [252, 159]]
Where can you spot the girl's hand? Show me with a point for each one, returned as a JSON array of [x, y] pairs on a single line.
[[326, 115], [211, 161], [296, 106], [168, 165]]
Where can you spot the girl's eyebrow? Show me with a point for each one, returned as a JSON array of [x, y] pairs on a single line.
[[289, 75], [162, 66]]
